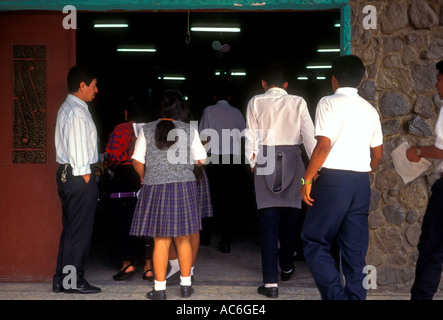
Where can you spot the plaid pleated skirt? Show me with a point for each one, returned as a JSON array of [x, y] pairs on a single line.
[[204, 197], [167, 210]]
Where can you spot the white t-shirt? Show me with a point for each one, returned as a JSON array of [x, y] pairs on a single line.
[[353, 126]]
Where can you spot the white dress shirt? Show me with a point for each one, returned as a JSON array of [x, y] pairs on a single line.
[[76, 136], [278, 118], [438, 163], [353, 126], [225, 127]]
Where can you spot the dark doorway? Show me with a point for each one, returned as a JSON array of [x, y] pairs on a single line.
[[291, 38]]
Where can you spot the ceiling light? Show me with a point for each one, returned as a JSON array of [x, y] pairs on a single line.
[[302, 78], [321, 78], [238, 73], [111, 25], [319, 67], [337, 25], [323, 50], [215, 29], [136, 50], [177, 78]]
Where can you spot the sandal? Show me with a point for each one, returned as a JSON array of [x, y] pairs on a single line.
[[123, 275], [149, 278]]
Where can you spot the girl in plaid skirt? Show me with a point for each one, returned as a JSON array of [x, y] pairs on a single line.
[[167, 208]]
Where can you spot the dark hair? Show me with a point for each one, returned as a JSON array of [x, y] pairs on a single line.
[[348, 70], [274, 75], [77, 75], [134, 109], [222, 87], [439, 66], [173, 106]]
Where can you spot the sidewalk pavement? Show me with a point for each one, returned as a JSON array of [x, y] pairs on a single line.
[[217, 276]]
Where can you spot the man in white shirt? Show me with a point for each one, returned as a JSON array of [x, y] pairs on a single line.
[[76, 152], [430, 247], [222, 128], [349, 146], [277, 123]]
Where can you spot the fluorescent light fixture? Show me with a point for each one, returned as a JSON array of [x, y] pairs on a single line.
[[233, 73], [319, 67], [216, 29], [337, 25], [302, 78], [321, 78], [136, 50], [177, 78], [111, 25], [323, 50]]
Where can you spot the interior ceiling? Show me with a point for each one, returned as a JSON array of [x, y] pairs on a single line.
[[290, 38]]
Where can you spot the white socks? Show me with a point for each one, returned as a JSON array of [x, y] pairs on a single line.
[[271, 285], [175, 267], [185, 281], [159, 285]]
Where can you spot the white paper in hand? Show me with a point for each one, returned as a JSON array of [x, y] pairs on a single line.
[[408, 170]]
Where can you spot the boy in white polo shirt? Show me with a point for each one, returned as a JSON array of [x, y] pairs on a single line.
[[349, 146], [430, 247]]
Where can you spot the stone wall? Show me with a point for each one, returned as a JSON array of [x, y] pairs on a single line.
[[400, 55]]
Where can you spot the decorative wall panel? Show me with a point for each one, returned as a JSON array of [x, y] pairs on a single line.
[[29, 102]]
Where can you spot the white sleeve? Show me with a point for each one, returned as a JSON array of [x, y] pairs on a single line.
[[251, 143], [439, 131], [140, 148], [307, 129], [198, 151]]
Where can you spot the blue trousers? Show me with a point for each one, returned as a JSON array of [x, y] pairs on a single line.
[[430, 247], [340, 213], [277, 224]]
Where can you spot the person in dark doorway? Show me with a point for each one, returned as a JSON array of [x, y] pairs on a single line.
[[349, 146], [167, 210], [221, 128], [277, 123], [123, 189], [430, 247], [76, 148]]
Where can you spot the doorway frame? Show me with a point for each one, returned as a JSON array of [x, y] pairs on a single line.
[[198, 5]]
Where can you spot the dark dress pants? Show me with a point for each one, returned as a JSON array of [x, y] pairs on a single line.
[[430, 248], [79, 203], [340, 211], [277, 224]]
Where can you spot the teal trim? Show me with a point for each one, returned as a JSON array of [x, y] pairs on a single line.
[[154, 5], [99, 5]]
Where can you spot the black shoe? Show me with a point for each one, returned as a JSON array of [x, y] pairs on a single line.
[[85, 288], [224, 247], [123, 275], [286, 275], [57, 285], [186, 291], [269, 292], [156, 295]]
